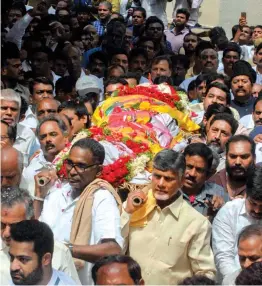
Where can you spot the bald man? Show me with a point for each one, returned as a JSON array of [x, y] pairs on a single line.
[[11, 167], [45, 107]]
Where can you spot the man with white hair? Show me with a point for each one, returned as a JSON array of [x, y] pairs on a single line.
[[10, 113]]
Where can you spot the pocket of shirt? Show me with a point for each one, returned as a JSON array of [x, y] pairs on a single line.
[[172, 251]]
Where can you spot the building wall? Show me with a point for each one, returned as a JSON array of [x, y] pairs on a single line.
[[226, 13]]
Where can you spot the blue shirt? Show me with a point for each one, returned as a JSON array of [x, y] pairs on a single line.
[[100, 28], [87, 54], [243, 108]]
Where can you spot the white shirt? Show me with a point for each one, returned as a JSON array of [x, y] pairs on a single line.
[[247, 121], [17, 32], [194, 10], [258, 152], [184, 84], [25, 141], [227, 225], [62, 260], [155, 8], [34, 167], [55, 78], [259, 76], [60, 278], [58, 210], [30, 119]]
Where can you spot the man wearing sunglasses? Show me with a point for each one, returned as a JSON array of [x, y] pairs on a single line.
[[84, 211]]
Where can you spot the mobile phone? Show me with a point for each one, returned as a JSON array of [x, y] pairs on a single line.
[[243, 15]]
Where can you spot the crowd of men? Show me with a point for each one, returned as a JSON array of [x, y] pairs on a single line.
[[200, 222]]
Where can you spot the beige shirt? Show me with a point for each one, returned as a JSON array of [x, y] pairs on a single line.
[[173, 245], [62, 261]]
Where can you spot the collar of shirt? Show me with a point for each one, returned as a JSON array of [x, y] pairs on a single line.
[[243, 104], [54, 279], [175, 207], [184, 31], [243, 211], [201, 197]]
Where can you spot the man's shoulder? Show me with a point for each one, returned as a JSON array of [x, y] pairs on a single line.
[[232, 208], [102, 194], [63, 279], [213, 187], [58, 190], [218, 176], [189, 214], [25, 132]]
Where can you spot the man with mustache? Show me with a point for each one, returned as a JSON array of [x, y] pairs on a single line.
[[242, 80], [205, 197], [230, 221], [222, 127], [31, 250], [165, 235], [52, 134], [17, 206], [240, 160]]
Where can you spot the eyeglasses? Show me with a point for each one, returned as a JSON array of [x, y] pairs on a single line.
[[4, 137], [79, 167]]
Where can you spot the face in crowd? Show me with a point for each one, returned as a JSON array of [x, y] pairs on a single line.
[[9, 112], [190, 43], [250, 250], [41, 91], [209, 61], [218, 135], [11, 167], [215, 95], [82, 168], [103, 12], [160, 68], [196, 173], [45, 107], [137, 18], [52, 139], [239, 160], [241, 88]]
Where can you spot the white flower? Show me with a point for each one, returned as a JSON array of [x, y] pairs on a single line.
[[139, 165]]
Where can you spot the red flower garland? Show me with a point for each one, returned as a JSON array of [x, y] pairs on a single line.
[[150, 91], [115, 173]]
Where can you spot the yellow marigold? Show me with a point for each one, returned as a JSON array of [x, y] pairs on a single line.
[[144, 105], [155, 148]]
